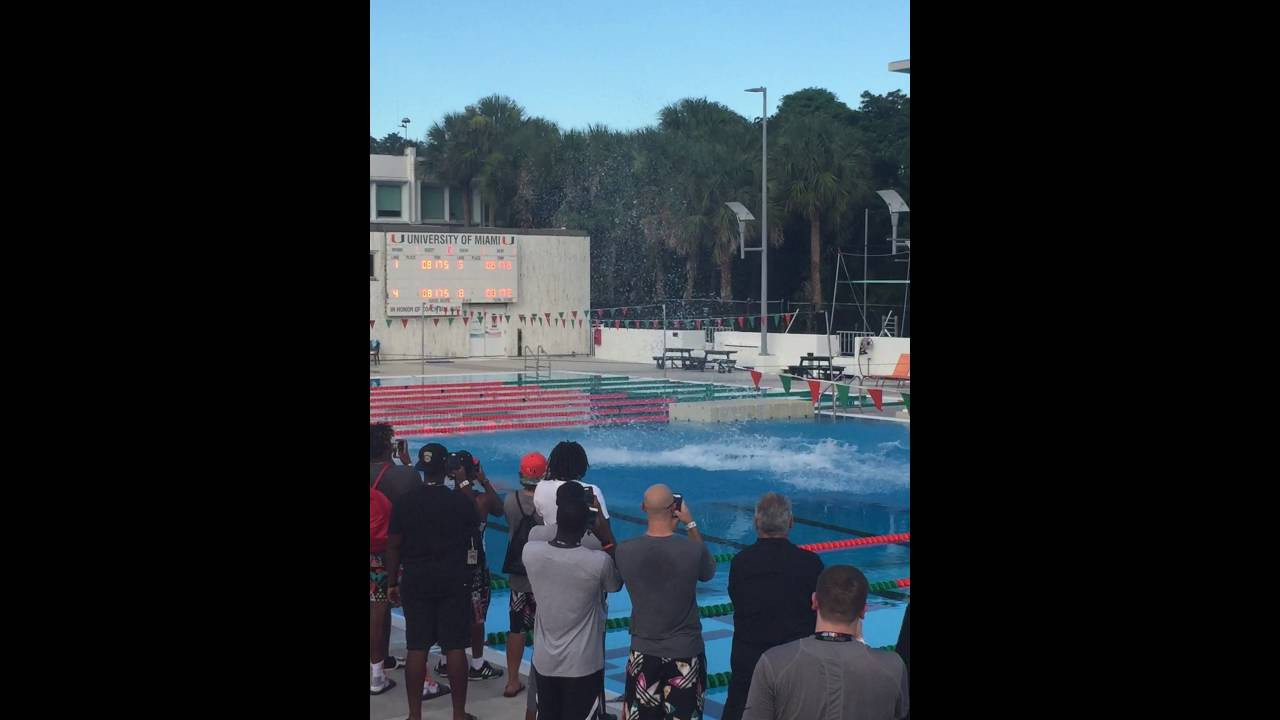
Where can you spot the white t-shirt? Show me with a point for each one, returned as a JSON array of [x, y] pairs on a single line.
[[544, 499]]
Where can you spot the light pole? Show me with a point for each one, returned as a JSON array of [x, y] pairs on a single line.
[[764, 218]]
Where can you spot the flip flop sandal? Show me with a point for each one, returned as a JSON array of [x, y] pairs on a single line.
[[390, 684], [517, 692], [441, 691]]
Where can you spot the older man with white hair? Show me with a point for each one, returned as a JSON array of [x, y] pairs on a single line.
[[770, 584]]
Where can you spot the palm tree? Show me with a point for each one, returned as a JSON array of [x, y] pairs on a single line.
[[500, 148], [819, 173], [455, 153]]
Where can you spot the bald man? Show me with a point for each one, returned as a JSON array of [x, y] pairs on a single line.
[[661, 571]]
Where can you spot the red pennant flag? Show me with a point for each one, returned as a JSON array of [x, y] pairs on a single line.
[[575, 314], [741, 321], [755, 377], [653, 324], [371, 322], [877, 397], [435, 321], [625, 311], [787, 318], [617, 323], [815, 389], [599, 312], [548, 316], [697, 324]]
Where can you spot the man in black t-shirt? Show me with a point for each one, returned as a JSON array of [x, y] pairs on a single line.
[[431, 529]]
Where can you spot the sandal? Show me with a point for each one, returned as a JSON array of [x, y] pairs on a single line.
[[441, 691], [517, 692]]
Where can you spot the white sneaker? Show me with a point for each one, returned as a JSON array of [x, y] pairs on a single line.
[[387, 684]]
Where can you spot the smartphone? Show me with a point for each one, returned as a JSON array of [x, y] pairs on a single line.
[[402, 447], [591, 497], [452, 462], [679, 501]]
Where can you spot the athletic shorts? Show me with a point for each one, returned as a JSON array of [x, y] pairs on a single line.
[[661, 688], [480, 587], [437, 620], [570, 698], [523, 610], [377, 578]]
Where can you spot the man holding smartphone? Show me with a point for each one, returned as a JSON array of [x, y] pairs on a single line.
[[431, 529], [394, 481], [463, 466], [667, 668]]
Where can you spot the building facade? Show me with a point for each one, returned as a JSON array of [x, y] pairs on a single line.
[[440, 289]]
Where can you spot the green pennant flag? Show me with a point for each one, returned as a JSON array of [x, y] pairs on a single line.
[[906, 400], [776, 319], [561, 314], [842, 394], [786, 382], [388, 322], [755, 322], [450, 321]]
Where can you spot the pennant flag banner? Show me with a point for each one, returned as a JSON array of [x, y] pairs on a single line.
[[435, 321], [877, 396], [548, 315], [575, 314], [786, 382], [371, 322], [561, 314], [653, 324], [521, 319], [617, 323], [508, 318], [815, 390], [755, 377], [906, 400], [842, 395], [388, 322], [787, 318], [774, 319], [697, 324], [754, 322], [741, 321], [404, 322], [451, 321]]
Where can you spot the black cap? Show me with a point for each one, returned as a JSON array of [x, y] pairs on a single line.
[[432, 456]]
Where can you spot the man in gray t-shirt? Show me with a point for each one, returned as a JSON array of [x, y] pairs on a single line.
[[568, 579], [666, 668], [831, 675]]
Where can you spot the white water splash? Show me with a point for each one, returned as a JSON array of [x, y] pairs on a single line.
[[804, 464]]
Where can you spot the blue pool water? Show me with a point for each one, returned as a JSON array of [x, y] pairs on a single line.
[[844, 478]]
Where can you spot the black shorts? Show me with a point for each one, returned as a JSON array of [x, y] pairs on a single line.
[[431, 619], [570, 698]]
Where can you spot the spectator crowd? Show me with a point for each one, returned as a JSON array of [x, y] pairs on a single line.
[[798, 652]]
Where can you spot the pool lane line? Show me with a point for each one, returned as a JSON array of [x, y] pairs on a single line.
[[805, 521]]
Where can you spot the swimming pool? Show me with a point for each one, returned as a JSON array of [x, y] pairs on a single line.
[[844, 478]]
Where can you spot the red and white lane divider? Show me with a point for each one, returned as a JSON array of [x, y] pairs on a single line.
[[857, 542]]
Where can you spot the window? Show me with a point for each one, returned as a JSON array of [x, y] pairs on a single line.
[[432, 202], [455, 205], [371, 275], [387, 202]]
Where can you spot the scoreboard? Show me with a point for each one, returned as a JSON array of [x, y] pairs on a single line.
[[434, 273]]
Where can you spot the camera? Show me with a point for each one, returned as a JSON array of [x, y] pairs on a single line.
[[452, 461]]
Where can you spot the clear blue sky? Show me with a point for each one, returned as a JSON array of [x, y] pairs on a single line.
[[579, 62]]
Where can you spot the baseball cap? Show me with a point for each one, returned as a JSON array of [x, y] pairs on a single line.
[[532, 467], [433, 455]]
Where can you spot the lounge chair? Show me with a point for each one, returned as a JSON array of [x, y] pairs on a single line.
[[901, 374]]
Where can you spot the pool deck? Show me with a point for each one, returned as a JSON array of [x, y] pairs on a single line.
[[585, 364], [484, 697]]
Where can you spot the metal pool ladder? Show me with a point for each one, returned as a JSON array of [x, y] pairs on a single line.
[[537, 362]]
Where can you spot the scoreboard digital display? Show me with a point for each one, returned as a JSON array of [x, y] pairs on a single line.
[[434, 273]]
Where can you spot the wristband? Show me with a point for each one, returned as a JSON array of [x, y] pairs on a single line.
[[691, 525]]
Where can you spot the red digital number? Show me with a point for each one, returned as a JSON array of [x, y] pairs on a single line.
[[395, 293], [490, 265], [426, 264], [490, 293]]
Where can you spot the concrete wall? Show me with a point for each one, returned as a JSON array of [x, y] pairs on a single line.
[[555, 275], [784, 348]]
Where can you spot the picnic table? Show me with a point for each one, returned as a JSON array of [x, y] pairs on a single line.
[[723, 364], [817, 366], [680, 357]]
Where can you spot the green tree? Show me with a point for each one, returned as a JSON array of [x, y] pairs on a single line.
[[819, 171], [455, 153]]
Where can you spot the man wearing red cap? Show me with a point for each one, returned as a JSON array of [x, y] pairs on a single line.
[[520, 511]]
